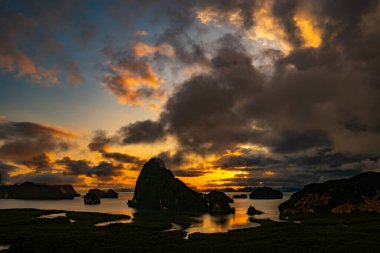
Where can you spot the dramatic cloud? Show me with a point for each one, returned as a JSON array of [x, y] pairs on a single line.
[[189, 172], [100, 143], [40, 161], [142, 132], [4, 172], [46, 178], [282, 93], [21, 141], [132, 79], [103, 170]]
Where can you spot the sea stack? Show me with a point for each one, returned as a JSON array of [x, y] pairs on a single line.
[[266, 193], [360, 193], [158, 189]]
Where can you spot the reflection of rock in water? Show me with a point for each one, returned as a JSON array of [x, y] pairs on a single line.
[[106, 223], [53, 216], [220, 220]]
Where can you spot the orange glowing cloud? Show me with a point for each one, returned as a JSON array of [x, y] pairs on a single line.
[[310, 32], [142, 49], [133, 82], [14, 61], [217, 17], [267, 29]]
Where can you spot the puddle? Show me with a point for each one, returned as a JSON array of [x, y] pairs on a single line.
[[4, 247], [106, 223], [175, 227], [54, 215]]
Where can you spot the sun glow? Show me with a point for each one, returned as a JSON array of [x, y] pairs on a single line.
[[310, 33]]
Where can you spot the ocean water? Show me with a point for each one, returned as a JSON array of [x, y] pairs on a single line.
[[205, 223]]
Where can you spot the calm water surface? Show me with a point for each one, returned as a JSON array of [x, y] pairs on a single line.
[[205, 223]]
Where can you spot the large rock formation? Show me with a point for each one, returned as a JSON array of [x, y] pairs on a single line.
[[91, 198], [253, 211], [218, 202], [265, 193], [360, 193], [157, 188], [32, 191], [110, 194]]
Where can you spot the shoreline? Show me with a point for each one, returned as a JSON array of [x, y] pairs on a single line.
[[20, 229]]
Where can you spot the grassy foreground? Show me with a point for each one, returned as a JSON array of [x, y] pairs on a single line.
[[320, 233]]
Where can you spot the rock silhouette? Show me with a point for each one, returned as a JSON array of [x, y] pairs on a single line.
[[158, 189], [32, 191], [240, 196], [265, 193], [360, 193], [91, 198], [252, 211], [218, 202], [104, 194]]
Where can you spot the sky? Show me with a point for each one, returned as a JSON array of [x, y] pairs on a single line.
[[228, 93]]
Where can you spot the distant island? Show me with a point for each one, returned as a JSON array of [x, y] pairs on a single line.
[[33, 191]]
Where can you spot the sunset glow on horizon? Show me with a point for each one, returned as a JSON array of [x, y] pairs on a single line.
[[233, 95]]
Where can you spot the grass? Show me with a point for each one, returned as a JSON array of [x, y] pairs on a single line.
[[316, 233]]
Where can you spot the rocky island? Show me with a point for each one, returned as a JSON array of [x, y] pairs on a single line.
[[265, 193], [360, 193], [158, 189], [32, 191], [93, 196]]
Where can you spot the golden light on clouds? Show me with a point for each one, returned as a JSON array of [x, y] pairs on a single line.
[[132, 86], [267, 29], [216, 17], [310, 33], [141, 49]]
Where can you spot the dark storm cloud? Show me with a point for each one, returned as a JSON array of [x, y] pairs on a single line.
[[23, 140], [142, 132], [100, 141], [4, 172], [189, 172], [46, 178], [122, 158], [38, 161], [317, 113], [290, 142], [75, 167], [244, 161], [103, 170], [173, 160], [293, 171]]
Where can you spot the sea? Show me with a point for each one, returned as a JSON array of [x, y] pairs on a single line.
[[205, 223]]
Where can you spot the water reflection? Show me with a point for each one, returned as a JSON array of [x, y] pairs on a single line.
[[208, 223], [53, 216], [106, 223], [204, 223]]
